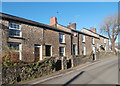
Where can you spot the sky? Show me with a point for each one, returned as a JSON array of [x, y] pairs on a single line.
[[84, 14]]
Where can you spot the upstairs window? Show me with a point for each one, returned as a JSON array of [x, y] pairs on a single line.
[[14, 30], [61, 38], [83, 38], [93, 41], [105, 41]]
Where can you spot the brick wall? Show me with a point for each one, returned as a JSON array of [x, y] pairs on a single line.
[[52, 38], [33, 35], [87, 44]]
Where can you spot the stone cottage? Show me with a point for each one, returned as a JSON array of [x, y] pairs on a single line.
[[33, 41]]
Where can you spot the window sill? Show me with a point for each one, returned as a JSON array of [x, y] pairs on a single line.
[[83, 41], [16, 37], [62, 43]]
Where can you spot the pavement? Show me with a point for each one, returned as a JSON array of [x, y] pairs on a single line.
[[100, 72]]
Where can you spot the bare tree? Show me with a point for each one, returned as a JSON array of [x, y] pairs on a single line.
[[110, 26]]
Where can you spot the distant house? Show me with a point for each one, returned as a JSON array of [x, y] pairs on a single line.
[[33, 41], [102, 43]]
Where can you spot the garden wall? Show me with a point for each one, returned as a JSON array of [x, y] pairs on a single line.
[[20, 72]]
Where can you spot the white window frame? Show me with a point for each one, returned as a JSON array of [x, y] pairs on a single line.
[[64, 50], [63, 39], [40, 51], [15, 29], [20, 50], [104, 40], [93, 49], [83, 38], [84, 50]]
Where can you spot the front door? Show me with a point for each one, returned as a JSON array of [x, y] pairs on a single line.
[[37, 53]]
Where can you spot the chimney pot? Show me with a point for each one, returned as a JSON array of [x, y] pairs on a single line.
[[72, 26], [93, 29], [53, 21]]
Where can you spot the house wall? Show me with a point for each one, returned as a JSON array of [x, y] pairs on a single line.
[[90, 33], [102, 42], [75, 41], [4, 33], [0, 41], [63, 28], [68, 45], [51, 38], [30, 35], [87, 44]]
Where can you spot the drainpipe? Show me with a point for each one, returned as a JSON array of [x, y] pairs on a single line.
[[72, 50], [78, 43], [43, 43]]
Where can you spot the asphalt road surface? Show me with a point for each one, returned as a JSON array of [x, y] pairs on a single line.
[[101, 72]]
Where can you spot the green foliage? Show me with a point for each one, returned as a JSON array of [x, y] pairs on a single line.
[[51, 64], [42, 65], [31, 69], [83, 56], [37, 64], [7, 61], [14, 81], [15, 64]]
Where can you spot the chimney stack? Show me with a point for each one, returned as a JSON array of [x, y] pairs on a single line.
[[72, 26], [93, 29], [53, 21]]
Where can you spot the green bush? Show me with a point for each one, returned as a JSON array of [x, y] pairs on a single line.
[[37, 64]]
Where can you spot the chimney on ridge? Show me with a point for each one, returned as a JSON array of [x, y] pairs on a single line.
[[72, 26], [93, 29], [53, 21]]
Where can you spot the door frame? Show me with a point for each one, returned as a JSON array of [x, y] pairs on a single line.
[[20, 51], [39, 46]]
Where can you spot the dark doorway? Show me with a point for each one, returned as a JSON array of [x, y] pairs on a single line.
[[48, 50], [69, 64], [74, 49], [58, 65]]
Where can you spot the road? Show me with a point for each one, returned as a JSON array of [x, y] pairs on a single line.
[[102, 72]]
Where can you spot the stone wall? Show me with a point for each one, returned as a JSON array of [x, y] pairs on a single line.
[[13, 74], [49, 65]]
